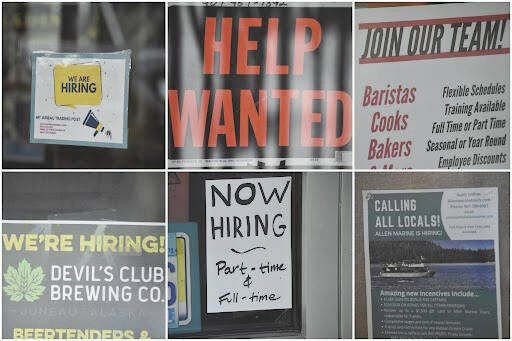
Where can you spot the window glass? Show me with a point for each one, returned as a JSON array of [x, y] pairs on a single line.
[[91, 247], [85, 27], [84, 196]]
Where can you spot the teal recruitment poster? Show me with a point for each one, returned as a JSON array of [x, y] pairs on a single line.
[[432, 263]]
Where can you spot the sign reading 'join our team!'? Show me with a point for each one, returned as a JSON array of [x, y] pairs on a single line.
[[432, 87], [80, 99], [248, 244]]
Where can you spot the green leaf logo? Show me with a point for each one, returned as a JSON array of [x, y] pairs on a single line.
[[24, 283]]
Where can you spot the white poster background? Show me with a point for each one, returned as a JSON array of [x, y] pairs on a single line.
[[454, 222], [110, 112], [428, 77], [277, 250]]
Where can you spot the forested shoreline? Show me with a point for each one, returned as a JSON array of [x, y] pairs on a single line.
[[395, 251]]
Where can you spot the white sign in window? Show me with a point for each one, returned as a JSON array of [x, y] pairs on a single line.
[[248, 244]]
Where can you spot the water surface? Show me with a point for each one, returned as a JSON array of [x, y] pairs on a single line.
[[452, 276]]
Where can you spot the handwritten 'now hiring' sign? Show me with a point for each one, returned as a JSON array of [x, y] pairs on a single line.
[[248, 244]]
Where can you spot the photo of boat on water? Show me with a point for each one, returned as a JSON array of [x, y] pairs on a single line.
[[437, 264]]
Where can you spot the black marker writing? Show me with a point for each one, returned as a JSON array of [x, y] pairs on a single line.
[[246, 251]]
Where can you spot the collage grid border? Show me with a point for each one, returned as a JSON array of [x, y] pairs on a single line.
[[167, 170]]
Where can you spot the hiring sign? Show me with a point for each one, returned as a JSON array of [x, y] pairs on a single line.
[[70, 281], [248, 244], [77, 84], [80, 99], [432, 87], [260, 85], [432, 263]]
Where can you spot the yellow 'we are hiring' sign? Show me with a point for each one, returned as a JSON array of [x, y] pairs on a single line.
[[77, 84], [80, 99]]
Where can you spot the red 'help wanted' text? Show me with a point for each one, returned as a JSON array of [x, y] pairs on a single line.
[[189, 109]]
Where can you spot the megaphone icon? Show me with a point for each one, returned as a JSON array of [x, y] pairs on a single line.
[[92, 121]]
